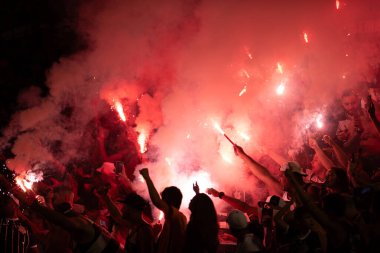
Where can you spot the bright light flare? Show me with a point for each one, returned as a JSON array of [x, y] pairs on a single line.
[[161, 216], [26, 182], [279, 68], [218, 127], [244, 136], [244, 90], [337, 4], [319, 121], [305, 37], [142, 141], [120, 110], [280, 89]]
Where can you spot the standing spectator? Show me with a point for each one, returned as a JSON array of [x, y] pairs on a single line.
[[247, 242], [202, 230], [172, 237]]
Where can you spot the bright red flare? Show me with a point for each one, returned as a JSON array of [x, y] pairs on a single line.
[[120, 111], [337, 4]]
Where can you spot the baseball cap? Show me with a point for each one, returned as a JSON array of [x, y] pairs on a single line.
[[237, 220], [294, 167]]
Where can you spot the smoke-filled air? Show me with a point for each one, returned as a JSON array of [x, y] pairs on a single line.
[[161, 82]]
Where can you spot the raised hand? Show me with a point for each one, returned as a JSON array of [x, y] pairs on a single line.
[[238, 150], [144, 172], [212, 192], [196, 188]]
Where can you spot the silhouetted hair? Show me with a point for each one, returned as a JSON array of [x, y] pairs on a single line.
[[172, 196], [202, 229], [137, 202]]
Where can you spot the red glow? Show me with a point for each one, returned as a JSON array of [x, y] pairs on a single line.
[[337, 4]]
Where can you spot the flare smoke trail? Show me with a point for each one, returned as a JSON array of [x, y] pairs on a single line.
[[183, 64]]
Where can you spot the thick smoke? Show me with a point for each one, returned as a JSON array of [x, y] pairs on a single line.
[[184, 66]]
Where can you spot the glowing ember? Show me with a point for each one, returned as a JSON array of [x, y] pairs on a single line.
[[280, 89], [279, 68], [248, 53], [244, 90], [142, 140], [305, 37], [245, 73], [120, 111], [319, 121], [337, 4]]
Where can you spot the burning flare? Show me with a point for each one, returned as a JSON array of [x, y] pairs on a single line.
[[305, 37], [120, 111], [337, 4], [319, 121], [26, 182], [280, 89], [142, 141]]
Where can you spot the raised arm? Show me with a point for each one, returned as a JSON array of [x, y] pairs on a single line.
[[154, 196], [336, 231], [235, 203], [325, 161], [260, 172], [338, 151], [114, 211]]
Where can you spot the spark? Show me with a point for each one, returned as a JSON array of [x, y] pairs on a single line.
[[279, 68], [120, 111], [244, 90], [188, 136], [305, 37], [245, 73], [337, 4]]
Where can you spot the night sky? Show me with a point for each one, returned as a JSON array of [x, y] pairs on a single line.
[[33, 35]]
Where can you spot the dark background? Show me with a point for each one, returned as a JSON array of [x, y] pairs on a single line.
[[33, 35]]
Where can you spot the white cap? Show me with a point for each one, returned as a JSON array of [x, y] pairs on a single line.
[[294, 167], [237, 220]]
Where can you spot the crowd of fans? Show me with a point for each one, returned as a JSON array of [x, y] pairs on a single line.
[[333, 206]]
